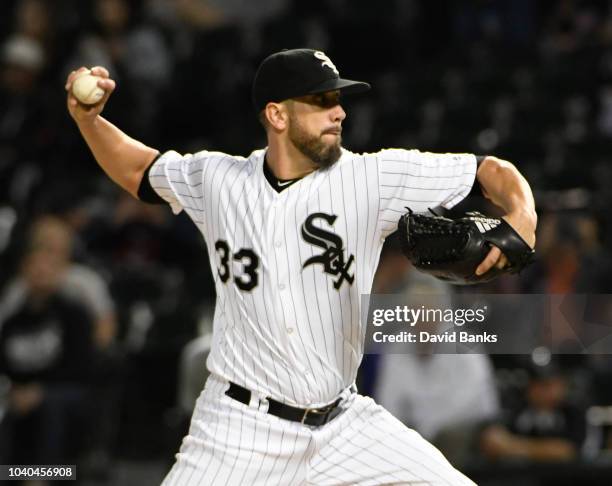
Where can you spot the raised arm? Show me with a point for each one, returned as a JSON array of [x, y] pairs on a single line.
[[122, 158], [504, 185]]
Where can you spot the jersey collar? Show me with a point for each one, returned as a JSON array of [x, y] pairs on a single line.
[[277, 184]]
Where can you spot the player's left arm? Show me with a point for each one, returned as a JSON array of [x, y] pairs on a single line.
[[504, 185]]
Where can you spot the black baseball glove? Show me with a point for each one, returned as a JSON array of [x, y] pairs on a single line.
[[452, 249]]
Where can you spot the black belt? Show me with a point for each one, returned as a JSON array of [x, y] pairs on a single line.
[[307, 416]]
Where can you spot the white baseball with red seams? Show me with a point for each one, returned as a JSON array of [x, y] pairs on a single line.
[[85, 88]]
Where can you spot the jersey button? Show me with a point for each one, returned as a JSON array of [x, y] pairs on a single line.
[[289, 330], [281, 286], [278, 244]]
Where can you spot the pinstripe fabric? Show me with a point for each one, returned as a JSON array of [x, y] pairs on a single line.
[[233, 444], [290, 269], [368, 446]]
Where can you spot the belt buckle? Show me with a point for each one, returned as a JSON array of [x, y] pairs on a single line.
[[305, 415], [325, 411]]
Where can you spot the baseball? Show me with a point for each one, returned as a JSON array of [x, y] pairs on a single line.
[[85, 88]]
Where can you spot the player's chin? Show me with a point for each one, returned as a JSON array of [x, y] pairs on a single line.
[[329, 157], [331, 143]]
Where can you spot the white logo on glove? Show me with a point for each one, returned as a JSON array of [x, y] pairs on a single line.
[[326, 61], [482, 223]]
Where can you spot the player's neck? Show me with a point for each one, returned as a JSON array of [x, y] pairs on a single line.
[[286, 162]]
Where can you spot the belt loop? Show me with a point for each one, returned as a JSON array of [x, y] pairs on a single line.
[[263, 405], [258, 402], [254, 400]]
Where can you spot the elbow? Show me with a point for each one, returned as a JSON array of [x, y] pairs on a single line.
[[493, 175], [502, 181], [495, 168]]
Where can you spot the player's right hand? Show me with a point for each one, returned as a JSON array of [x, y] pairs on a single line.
[[87, 113]]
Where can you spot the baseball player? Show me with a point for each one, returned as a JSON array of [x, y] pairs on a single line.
[[294, 233]]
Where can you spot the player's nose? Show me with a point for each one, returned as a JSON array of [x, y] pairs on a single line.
[[337, 113]]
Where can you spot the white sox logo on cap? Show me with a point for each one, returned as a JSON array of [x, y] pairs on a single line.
[[326, 61]]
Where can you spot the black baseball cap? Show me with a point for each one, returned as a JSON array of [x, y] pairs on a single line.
[[297, 72]]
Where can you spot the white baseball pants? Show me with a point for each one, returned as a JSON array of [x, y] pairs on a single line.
[[230, 443]]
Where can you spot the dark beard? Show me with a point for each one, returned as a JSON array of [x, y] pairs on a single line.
[[313, 147]]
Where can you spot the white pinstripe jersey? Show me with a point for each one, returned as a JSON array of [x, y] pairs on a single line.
[[290, 267]]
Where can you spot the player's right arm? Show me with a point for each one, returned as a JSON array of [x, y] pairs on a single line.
[[123, 158]]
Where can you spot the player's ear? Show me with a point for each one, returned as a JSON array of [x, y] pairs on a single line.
[[276, 115]]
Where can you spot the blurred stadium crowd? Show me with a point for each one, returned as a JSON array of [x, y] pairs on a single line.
[[103, 296]]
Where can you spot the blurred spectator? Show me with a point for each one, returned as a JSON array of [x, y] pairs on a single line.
[[46, 351], [210, 14], [83, 286], [33, 19], [545, 427], [126, 44], [74, 281], [135, 52], [574, 24], [512, 21], [574, 260], [20, 123], [22, 60], [444, 397]]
